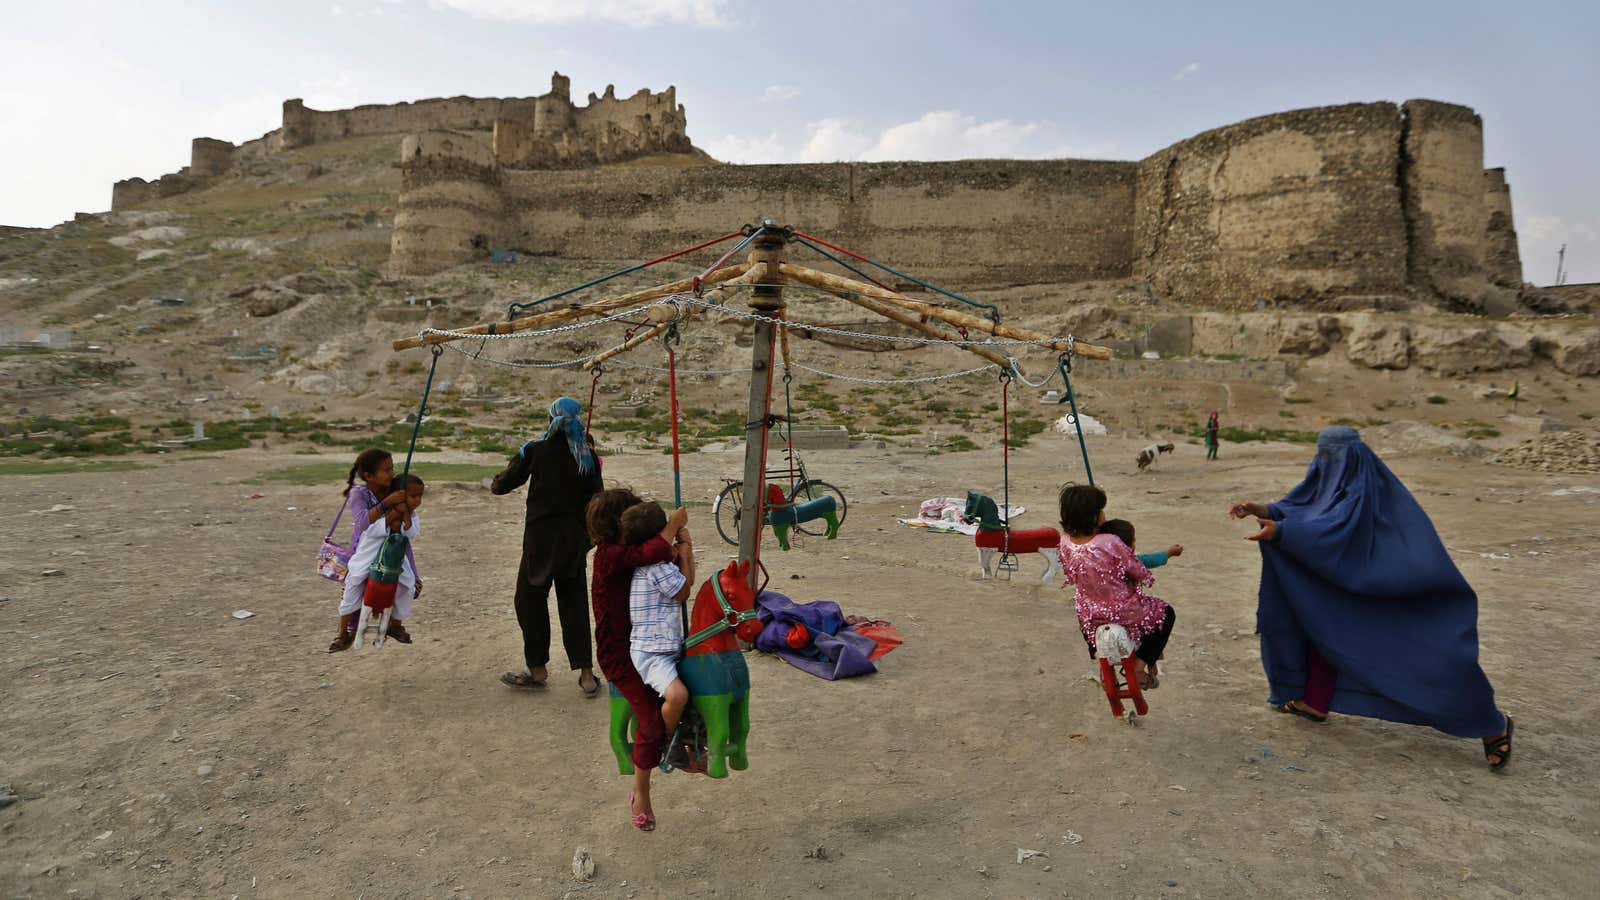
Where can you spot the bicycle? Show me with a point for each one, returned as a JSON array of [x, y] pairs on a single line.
[[729, 504]]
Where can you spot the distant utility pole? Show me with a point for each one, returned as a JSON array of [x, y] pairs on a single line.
[[1561, 265]]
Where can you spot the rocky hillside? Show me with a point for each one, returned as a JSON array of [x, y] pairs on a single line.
[[266, 295]]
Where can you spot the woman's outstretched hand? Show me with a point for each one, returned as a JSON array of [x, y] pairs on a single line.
[[1240, 510], [1268, 532]]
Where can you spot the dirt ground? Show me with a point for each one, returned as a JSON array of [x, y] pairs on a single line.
[[411, 772]]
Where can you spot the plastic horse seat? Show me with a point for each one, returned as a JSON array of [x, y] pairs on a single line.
[[992, 537], [711, 738], [1114, 649], [783, 515]]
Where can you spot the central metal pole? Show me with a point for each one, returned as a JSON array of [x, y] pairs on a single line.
[[766, 299]]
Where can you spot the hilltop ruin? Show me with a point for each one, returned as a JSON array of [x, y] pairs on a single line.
[[1360, 200], [1334, 206], [544, 132]]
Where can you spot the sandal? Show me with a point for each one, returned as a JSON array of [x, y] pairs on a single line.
[[342, 642], [590, 693], [398, 632], [1500, 746], [523, 680], [641, 821], [1293, 710]]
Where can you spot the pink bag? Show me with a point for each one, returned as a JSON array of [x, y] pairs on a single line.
[[333, 560]]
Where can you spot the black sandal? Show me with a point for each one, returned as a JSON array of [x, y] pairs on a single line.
[[523, 680], [1293, 710], [590, 693], [1500, 746]]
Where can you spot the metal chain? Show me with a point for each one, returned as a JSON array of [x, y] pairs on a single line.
[[543, 332]]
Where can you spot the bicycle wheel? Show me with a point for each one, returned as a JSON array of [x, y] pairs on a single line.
[[725, 510], [811, 489]]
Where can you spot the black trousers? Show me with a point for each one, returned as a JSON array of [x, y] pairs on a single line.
[[572, 605], [1154, 643]]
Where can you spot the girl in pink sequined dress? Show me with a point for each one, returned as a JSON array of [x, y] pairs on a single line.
[[1109, 581]]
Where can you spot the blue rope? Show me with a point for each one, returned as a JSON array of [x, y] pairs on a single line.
[[515, 308], [427, 388], [1065, 365], [835, 259]]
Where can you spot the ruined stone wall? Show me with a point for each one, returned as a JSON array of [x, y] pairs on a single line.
[[451, 206], [974, 222], [209, 156], [1292, 206], [302, 126], [1444, 199], [1501, 257]]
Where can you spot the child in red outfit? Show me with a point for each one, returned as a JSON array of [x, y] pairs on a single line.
[[614, 563]]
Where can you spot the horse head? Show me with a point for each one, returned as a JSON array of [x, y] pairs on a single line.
[[982, 511], [734, 584]]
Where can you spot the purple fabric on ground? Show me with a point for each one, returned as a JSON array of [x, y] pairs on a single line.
[[834, 652]]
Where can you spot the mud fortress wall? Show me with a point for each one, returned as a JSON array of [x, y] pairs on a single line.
[[1354, 200], [543, 131]]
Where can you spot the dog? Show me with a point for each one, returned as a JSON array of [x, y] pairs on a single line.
[[1147, 456]]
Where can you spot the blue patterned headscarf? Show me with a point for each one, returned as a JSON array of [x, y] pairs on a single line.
[[564, 418]]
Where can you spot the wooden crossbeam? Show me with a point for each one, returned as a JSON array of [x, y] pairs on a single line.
[[835, 284], [597, 308]]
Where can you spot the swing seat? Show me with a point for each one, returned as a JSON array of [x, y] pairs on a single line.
[[1031, 540], [992, 538], [782, 514]]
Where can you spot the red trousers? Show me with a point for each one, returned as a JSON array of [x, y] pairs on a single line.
[[613, 573]]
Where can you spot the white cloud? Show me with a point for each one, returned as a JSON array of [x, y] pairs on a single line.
[[1186, 71], [777, 93], [638, 13], [735, 149], [833, 140], [938, 135], [1540, 237]]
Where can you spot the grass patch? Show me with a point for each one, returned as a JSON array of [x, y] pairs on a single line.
[[1437, 400], [1234, 435], [1296, 400], [337, 472], [64, 466], [958, 443], [1024, 429]]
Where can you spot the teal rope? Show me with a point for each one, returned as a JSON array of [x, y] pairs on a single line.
[[427, 388], [1065, 365]]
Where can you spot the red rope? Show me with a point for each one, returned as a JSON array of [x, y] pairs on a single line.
[[661, 259], [850, 253], [672, 391], [1005, 444]]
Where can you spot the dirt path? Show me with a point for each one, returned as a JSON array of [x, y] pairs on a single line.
[[412, 772]]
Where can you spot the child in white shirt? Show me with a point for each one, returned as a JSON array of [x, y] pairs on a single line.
[[401, 519]]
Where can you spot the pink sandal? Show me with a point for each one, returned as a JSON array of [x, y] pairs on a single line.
[[641, 821]]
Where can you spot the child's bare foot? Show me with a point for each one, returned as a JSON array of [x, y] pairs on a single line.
[[643, 817]]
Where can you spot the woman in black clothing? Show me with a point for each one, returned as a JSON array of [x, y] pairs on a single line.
[[562, 473]]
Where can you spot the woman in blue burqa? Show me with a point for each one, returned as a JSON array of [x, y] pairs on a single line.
[[1362, 611]]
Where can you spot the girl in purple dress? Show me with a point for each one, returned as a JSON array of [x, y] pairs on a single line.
[[367, 502]]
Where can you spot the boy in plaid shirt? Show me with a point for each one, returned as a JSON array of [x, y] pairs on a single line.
[[655, 607]]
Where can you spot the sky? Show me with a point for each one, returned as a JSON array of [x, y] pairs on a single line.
[[93, 92]]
